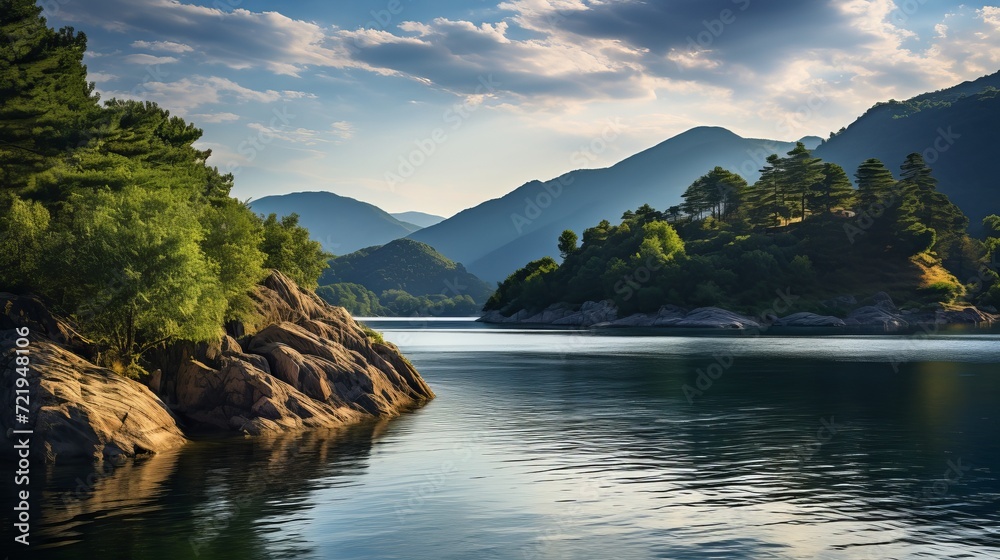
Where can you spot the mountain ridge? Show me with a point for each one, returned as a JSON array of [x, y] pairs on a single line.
[[341, 224]]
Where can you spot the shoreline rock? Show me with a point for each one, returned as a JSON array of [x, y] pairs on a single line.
[[881, 317], [310, 365]]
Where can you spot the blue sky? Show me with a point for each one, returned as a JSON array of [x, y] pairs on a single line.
[[437, 105]]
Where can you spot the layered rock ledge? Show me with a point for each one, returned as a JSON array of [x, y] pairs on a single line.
[[305, 365]]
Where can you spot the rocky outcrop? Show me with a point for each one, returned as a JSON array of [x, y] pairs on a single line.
[[301, 364], [311, 366], [591, 313], [76, 410], [809, 320], [966, 316], [716, 318], [881, 315]]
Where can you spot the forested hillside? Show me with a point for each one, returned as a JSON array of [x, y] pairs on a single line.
[[404, 277], [801, 232], [112, 215], [953, 129]]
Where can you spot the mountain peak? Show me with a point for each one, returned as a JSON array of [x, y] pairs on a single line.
[[707, 133]]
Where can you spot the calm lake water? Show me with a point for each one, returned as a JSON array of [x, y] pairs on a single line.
[[562, 444]]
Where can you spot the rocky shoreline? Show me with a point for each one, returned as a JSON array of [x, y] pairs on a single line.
[[305, 365], [880, 316]]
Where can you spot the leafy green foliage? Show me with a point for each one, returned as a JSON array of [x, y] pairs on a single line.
[[719, 192], [46, 104], [409, 266], [112, 214], [23, 227], [131, 266], [373, 335], [290, 250], [567, 242], [232, 244], [355, 297]]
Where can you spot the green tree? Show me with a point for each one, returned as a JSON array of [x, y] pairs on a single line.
[[833, 191], [232, 241], [801, 174], [515, 287], [768, 199], [46, 104], [132, 271], [289, 249], [358, 300], [23, 229], [567, 243], [934, 210], [876, 186], [719, 192]]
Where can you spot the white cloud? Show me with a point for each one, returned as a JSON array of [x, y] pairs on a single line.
[[100, 77], [148, 59], [237, 39], [164, 46], [343, 130], [300, 135], [214, 117], [186, 94], [559, 57]]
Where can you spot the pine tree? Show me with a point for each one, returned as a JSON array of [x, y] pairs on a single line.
[[833, 191], [876, 185], [934, 210], [801, 173], [767, 199], [46, 103]]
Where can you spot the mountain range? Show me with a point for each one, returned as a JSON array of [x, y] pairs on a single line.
[[419, 219], [498, 236], [952, 128], [341, 224]]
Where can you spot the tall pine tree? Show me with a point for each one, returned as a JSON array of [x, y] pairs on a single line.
[[46, 103]]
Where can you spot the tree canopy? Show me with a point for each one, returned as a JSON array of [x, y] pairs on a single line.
[[111, 212]]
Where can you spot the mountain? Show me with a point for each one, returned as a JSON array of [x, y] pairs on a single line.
[[811, 142], [343, 225], [420, 219], [953, 128], [499, 236], [407, 265]]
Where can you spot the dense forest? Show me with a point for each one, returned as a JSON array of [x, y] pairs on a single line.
[[110, 213], [403, 278], [802, 228]]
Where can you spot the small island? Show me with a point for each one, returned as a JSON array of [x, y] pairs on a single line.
[[799, 248]]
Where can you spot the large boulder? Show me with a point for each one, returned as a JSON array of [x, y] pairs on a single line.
[[591, 313], [79, 411], [876, 318], [809, 320], [715, 318], [967, 316]]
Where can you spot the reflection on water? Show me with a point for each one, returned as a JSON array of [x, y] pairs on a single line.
[[549, 444]]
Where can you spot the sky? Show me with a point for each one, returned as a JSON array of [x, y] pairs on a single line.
[[438, 105]]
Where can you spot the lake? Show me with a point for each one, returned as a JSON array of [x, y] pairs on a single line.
[[576, 444]]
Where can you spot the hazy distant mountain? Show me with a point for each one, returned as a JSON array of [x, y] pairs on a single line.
[[420, 219], [404, 264], [811, 142], [954, 128], [343, 225], [498, 236]]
